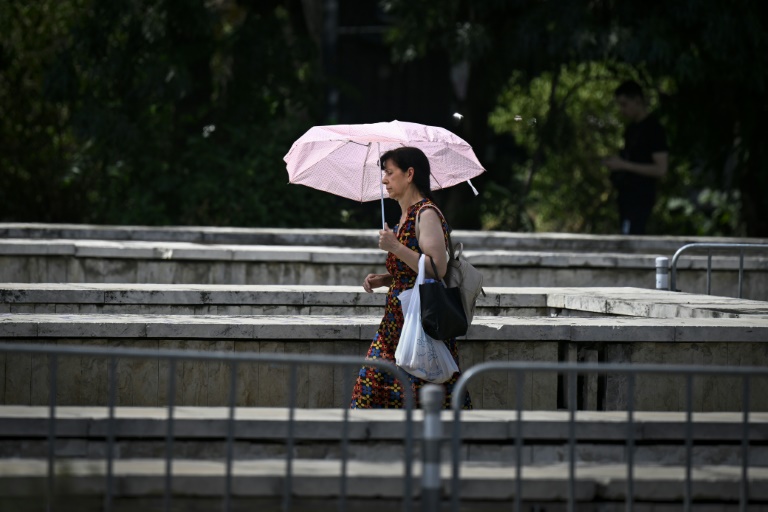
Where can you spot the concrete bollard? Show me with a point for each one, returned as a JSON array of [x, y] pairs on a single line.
[[431, 397], [662, 273]]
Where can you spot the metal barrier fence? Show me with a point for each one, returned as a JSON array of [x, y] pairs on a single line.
[[173, 356], [432, 430], [710, 247], [572, 371]]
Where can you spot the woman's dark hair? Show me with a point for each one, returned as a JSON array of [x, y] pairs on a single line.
[[406, 157]]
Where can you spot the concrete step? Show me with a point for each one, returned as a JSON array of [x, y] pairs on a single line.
[[48, 298], [362, 328], [725, 341], [360, 238], [79, 261], [319, 479], [487, 436]]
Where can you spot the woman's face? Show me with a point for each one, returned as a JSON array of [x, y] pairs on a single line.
[[395, 180]]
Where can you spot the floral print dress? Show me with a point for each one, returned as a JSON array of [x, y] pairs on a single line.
[[374, 388]]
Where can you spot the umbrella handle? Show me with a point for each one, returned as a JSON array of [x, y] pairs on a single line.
[[381, 186]]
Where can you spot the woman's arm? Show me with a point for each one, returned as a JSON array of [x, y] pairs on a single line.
[[376, 281], [429, 232]]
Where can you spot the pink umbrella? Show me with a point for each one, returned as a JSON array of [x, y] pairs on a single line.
[[344, 159]]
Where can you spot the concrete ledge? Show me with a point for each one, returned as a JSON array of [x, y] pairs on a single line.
[[316, 478], [351, 256], [344, 300], [623, 329], [356, 237], [606, 427], [83, 261]]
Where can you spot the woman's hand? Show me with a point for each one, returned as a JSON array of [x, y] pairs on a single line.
[[376, 281], [387, 240]]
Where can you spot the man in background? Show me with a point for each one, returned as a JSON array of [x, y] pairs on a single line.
[[642, 162]]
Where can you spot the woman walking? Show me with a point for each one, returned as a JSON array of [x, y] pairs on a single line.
[[422, 230]]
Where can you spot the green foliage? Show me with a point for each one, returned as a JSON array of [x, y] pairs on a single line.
[[564, 124], [155, 112], [706, 60]]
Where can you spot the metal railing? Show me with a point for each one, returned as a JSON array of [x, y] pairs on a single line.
[[710, 247], [432, 429], [233, 359], [572, 370]]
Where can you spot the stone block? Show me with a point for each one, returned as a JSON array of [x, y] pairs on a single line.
[[18, 373], [302, 382], [97, 326], [273, 377], [247, 374], [138, 380], [344, 376], [495, 384], [22, 309], [219, 375], [320, 377], [109, 270], [67, 309]]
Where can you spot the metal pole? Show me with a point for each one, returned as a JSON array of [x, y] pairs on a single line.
[[52, 433], [709, 272], [431, 400], [744, 487], [688, 442], [455, 449], [169, 433], [520, 381], [630, 503], [741, 273], [230, 435], [111, 434], [571, 441], [346, 386], [662, 273], [288, 487]]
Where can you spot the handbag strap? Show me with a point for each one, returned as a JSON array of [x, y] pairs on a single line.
[[434, 269]]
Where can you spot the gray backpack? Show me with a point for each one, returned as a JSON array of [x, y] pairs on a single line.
[[462, 275]]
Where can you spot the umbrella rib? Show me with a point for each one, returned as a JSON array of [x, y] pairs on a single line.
[[365, 160]]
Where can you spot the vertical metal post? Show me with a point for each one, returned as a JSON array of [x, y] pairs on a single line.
[[520, 382], [431, 401], [744, 487], [630, 503], [112, 391], [662, 273], [169, 433], [741, 273], [456, 463], [230, 435], [54, 368], [408, 484], [709, 272], [571, 441], [344, 445], [288, 488], [688, 442]]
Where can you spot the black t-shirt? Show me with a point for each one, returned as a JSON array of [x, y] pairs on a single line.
[[641, 141]]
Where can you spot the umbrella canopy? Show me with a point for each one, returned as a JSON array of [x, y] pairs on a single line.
[[344, 159]]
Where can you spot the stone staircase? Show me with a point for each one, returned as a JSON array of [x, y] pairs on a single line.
[[104, 261], [375, 450], [613, 325], [298, 292]]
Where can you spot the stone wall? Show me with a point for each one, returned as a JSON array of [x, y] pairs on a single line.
[[350, 270]]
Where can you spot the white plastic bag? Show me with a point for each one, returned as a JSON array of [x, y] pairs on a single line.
[[417, 353]]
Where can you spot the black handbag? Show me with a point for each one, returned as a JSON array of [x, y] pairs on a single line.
[[442, 313]]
